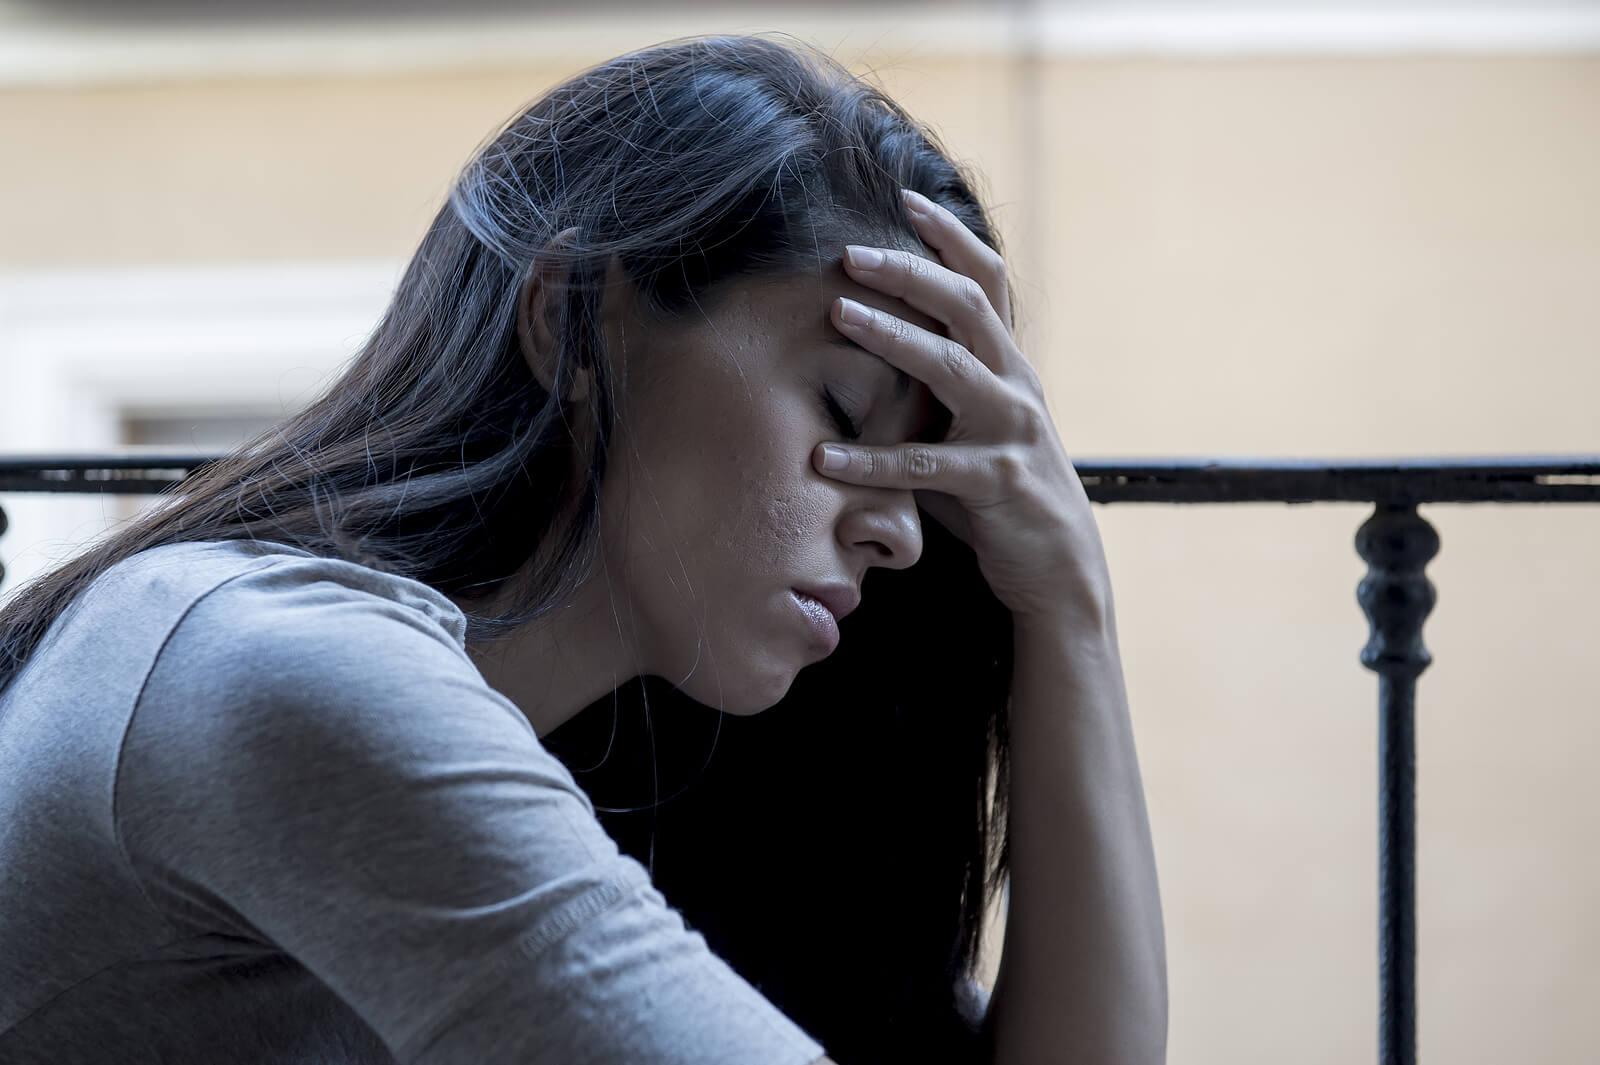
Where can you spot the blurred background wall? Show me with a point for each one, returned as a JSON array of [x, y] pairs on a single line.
[[1290, 230]]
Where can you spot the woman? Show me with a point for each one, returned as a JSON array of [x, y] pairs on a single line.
[[303, 745]]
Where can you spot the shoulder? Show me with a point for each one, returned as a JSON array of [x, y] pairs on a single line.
[[316, 676], [250, 579], [273, 579], [313, 643], [252, 601]]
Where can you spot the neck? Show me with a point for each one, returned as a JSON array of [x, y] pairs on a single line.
[[555, 666]]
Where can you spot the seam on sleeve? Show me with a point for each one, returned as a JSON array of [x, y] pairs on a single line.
[[558, 923], [566, 917]]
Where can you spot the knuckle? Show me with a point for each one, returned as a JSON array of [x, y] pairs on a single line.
[[1031, 420], [897, 328], [973, 296], [995, 265], [957, 360], [920, 463], [1010, 470], [917, 268], [1030, 374]]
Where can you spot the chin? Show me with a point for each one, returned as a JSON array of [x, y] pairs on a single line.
[[761, 687]]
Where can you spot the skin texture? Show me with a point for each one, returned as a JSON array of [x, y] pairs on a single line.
[[711, 509]]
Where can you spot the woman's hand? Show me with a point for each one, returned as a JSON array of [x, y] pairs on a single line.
[[1000, 480]]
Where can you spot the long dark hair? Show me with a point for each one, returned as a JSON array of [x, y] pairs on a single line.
[[839, 849]]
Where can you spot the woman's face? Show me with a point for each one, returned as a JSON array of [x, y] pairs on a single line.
[[711, 511]]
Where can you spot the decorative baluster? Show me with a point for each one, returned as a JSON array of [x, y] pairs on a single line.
[[1396, 543]]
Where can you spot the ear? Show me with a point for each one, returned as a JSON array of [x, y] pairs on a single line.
[[536, 318]]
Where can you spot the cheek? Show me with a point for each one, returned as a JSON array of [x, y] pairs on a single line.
[[772, 505], [728, 492], [758, 517], [786, 522]]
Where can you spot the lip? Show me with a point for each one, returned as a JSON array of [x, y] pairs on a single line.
[[820, 620], [840, 599]]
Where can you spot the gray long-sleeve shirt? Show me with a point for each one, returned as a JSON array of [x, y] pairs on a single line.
[[259, 806]]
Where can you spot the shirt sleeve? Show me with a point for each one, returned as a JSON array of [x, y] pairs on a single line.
[[327, 769]]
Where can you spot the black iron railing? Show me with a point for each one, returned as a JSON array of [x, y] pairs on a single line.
[[1395, 541]]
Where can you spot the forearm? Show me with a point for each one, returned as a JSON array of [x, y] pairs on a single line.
[[1083, 973]]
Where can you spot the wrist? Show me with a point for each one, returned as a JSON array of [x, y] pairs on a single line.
[[1086, 612]]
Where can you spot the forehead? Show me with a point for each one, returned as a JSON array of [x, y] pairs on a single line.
[[800, 306], [784, 324]]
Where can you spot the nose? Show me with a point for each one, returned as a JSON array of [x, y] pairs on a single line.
[[887, 527]]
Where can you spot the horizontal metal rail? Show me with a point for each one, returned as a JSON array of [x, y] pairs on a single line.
[[1454, 479]]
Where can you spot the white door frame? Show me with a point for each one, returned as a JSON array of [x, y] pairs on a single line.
[[79, 349]]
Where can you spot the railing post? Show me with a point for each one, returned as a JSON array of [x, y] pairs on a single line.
[[1396, 543]]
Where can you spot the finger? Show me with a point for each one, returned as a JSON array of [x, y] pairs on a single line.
[[956, 377], [964, 472], [961, 249], [954, 299]]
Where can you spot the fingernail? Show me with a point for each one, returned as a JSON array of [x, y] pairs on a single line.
[[851, 312], [833, 458], [915, 201], [863, 258]]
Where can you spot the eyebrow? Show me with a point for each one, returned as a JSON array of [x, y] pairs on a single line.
[[902, 381]]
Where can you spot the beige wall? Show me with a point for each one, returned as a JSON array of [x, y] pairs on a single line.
[[1267, 256]]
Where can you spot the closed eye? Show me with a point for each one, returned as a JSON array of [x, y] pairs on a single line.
[[932, 433], [840, 418], [902, 380]]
